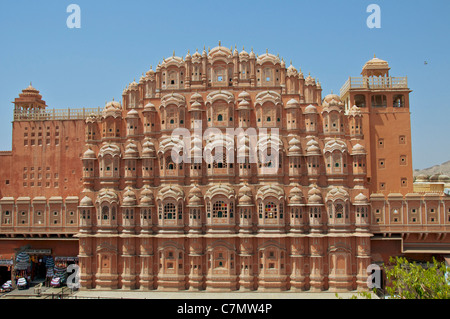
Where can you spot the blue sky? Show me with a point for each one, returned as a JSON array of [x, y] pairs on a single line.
[[118, 40]]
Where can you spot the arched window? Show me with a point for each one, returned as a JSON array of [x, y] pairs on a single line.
[[360, 100], [105, 213], [170, 165], [398, 100], [339, 210], [220, 118]]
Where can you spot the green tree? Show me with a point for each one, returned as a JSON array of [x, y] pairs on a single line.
[[408, 280]]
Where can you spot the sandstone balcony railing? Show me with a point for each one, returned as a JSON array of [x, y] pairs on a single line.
[[55, 114], [372, 82]]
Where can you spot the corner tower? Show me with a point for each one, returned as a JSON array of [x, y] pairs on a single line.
[[384, 104]]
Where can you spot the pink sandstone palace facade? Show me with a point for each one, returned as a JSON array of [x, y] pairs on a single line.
[[100, 185]]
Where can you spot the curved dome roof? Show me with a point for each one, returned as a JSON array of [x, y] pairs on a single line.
[[332, 99], [292, 103], [361, 198], [244, 95], [89, 154], [86, 201], [310, 109], [422, 178]]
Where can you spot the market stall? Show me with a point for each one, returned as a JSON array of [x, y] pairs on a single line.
[[49, 264], [23, 265]]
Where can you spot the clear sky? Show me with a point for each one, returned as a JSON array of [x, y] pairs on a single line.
[[119, 40]]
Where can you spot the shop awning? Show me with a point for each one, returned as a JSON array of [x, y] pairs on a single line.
[[66, 258]]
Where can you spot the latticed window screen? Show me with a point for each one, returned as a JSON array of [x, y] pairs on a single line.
[[220, 209], [339, 210], [270, 210], [169, 211]]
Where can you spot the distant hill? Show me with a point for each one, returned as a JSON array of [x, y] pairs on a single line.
[[444, 168]]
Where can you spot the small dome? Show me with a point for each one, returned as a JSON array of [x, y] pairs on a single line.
[[112, 105], [331, 99], [195, 201], [89, 154], [86, 201], [196, 55], [195, 191], [314, 199], [310, 80], [360, 198], [244, 105], [129, 192], [295, 195], [292, 103], [444, 178], [245, 200], [434, 178], [131, 150], [146, 192], [133, 113], [295, 199], [291, 71], [244, 95], [243, 54], [358, 149], [196, 97], [145, 200], [294, 141], [252, 54], [129, 201], [422, 178], [310, 109], [314, 191], [196, 106], [149, 107], [112, 108], [245, 190], [133, 85]]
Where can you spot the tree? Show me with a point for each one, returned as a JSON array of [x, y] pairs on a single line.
[[408, 280]]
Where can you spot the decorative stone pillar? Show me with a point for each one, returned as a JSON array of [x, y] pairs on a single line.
[[316, 261]]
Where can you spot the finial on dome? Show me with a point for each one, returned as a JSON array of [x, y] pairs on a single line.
[[219, 43], [374, 56], [173, 52], [267, 51], [291, 62]]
